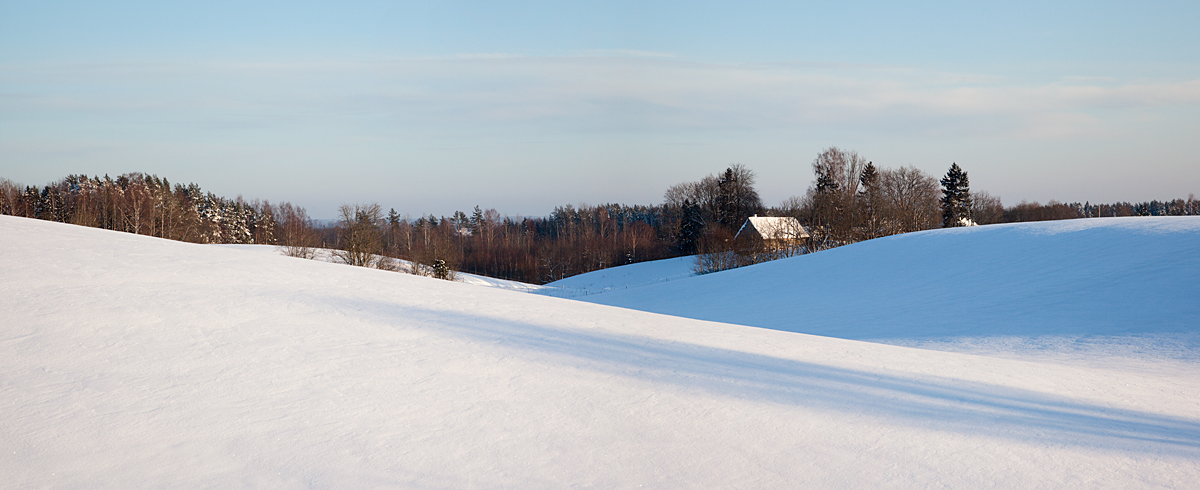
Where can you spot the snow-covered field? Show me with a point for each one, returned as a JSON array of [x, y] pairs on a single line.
[[630, 276], [133, 362], [1111, 287], [327, 255]]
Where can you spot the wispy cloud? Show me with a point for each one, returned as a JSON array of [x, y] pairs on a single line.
[[600, 91], [626, 53]]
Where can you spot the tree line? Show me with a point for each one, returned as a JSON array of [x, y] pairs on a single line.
[[571, 240], [149, 205], [850, 199]]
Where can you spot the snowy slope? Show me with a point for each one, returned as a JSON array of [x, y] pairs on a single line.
[[326, 255], [1094, 277], [623, 277], [132, 362]]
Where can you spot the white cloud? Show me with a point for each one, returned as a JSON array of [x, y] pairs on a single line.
[[585, 93], [512, 122], [642, 94]]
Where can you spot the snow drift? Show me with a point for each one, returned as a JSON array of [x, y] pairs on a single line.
[[133, 362]]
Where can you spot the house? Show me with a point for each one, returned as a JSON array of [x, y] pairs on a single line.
[[777, 233]]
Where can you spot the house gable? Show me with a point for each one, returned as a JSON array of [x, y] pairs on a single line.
[[772, 229]]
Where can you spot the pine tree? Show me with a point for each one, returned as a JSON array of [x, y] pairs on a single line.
[[476, 219], [956, 198]]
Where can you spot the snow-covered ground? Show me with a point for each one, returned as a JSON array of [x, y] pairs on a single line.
[[1110, 287], [326, 255], [133, 362], [617, 278]]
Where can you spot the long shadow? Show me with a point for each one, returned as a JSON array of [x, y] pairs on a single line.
[[940, 403]]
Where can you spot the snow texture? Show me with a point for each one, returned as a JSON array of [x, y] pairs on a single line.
[[327, 255], [1044, 284], [623, 277], [134, 362]]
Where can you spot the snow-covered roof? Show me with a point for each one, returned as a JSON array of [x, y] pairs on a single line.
[[774, 228]]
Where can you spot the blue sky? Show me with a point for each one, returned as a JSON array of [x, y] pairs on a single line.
[[431, 107]]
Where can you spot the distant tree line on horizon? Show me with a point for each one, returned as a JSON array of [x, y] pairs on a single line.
[[849, 200], [147, 205]]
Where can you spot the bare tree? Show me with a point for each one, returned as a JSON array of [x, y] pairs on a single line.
[[295, 231], [10, 197], [840, 169], [715, 252], [703, 192], [726, 199], [910, 199], [360, 239], [986, 208], [833, 213]]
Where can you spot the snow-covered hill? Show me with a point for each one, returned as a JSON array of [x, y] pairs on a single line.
[[616, 278], [133, 362], [1077, 279], [327, 255]]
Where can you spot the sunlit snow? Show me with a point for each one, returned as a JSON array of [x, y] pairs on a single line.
[[134, 362]]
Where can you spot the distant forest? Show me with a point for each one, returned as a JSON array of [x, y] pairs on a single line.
[[849, 200]]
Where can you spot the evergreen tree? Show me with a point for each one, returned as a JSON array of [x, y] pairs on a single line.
[[34, 206], [736, 198], [868, 178], [826, 183], [870, 201], [690, 227], [956, 198], [441, 270], [459, 220], [476, 219], [53, 207]]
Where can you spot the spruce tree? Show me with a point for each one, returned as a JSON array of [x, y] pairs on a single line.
[[870, 200], [441, 270], [726, 200], [690, 227], [736, 197], [956, 198]]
